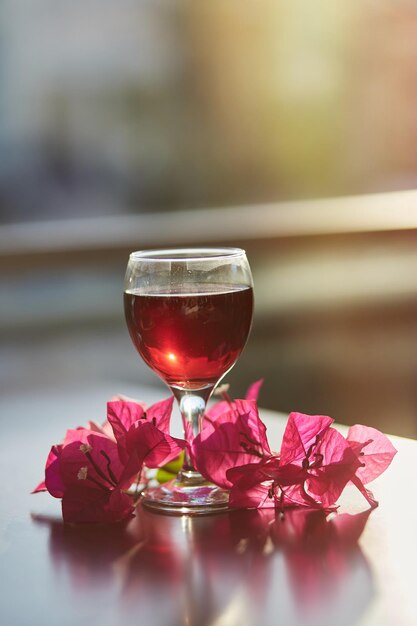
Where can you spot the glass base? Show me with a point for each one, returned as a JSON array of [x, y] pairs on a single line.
[[185, 497]]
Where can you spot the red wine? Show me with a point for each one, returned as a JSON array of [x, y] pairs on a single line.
[[190, 339]]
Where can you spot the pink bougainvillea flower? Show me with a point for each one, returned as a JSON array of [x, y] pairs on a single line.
[[127, 411], [86, 472], [235, 438], [314, 466], [144, 444], [301, 433], [91, 470], [94, 466], [328, 460], [104, 429], [122, 414], [142, 435], [333, 465], [256, 497], [374, 450], [268, 485], [220, 412], [280, 481], [90, 457]]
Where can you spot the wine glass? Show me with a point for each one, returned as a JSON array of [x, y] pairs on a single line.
[[189, 313]]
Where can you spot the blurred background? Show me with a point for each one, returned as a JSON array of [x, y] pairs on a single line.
[[286, 127]]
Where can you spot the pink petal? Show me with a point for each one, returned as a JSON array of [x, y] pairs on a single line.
[[160, 414], [157, 447], [267, 470], [216, 410], [53, 482], [254, 498], [301, 432], [219, 452], [122, 415], [245, 415], [93, 451], [82, 504], [286, 483], [374, 450], [237, 438], [120, 504], [104, 429], [254, 389], [147, 445], [259, 497], [41, 487], [225, 406], [94, 427], [73, 434], [339, 464], [295, 495], [284, 475], [248, 476], [334, 449]]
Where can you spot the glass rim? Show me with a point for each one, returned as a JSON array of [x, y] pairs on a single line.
[[186, 254]]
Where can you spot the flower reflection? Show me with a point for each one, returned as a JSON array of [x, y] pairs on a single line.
[[324, 563], [249, 567]]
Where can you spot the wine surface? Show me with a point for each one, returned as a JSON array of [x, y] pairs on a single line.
[[190, 339]]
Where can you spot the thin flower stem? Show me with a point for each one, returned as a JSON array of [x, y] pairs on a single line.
[[226, 397]]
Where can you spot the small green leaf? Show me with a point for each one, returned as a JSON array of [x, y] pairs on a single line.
[[163, 477], [170, 470]]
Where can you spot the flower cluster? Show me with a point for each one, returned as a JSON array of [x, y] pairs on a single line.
[[92, 470], [95, 466], [314, 465]]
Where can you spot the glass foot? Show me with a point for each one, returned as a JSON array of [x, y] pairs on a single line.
[[182, 497]]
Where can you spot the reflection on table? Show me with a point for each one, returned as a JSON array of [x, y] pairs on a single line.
[[244, 567]]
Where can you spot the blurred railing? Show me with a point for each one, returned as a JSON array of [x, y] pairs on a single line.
[[338, 252], [376, 213], [335, 287]]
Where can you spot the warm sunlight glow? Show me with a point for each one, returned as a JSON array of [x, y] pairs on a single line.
[[171, 356]]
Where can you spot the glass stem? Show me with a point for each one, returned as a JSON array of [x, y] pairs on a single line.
[[192, 406]]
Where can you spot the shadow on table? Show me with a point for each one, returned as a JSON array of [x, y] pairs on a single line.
[[244, 567]]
